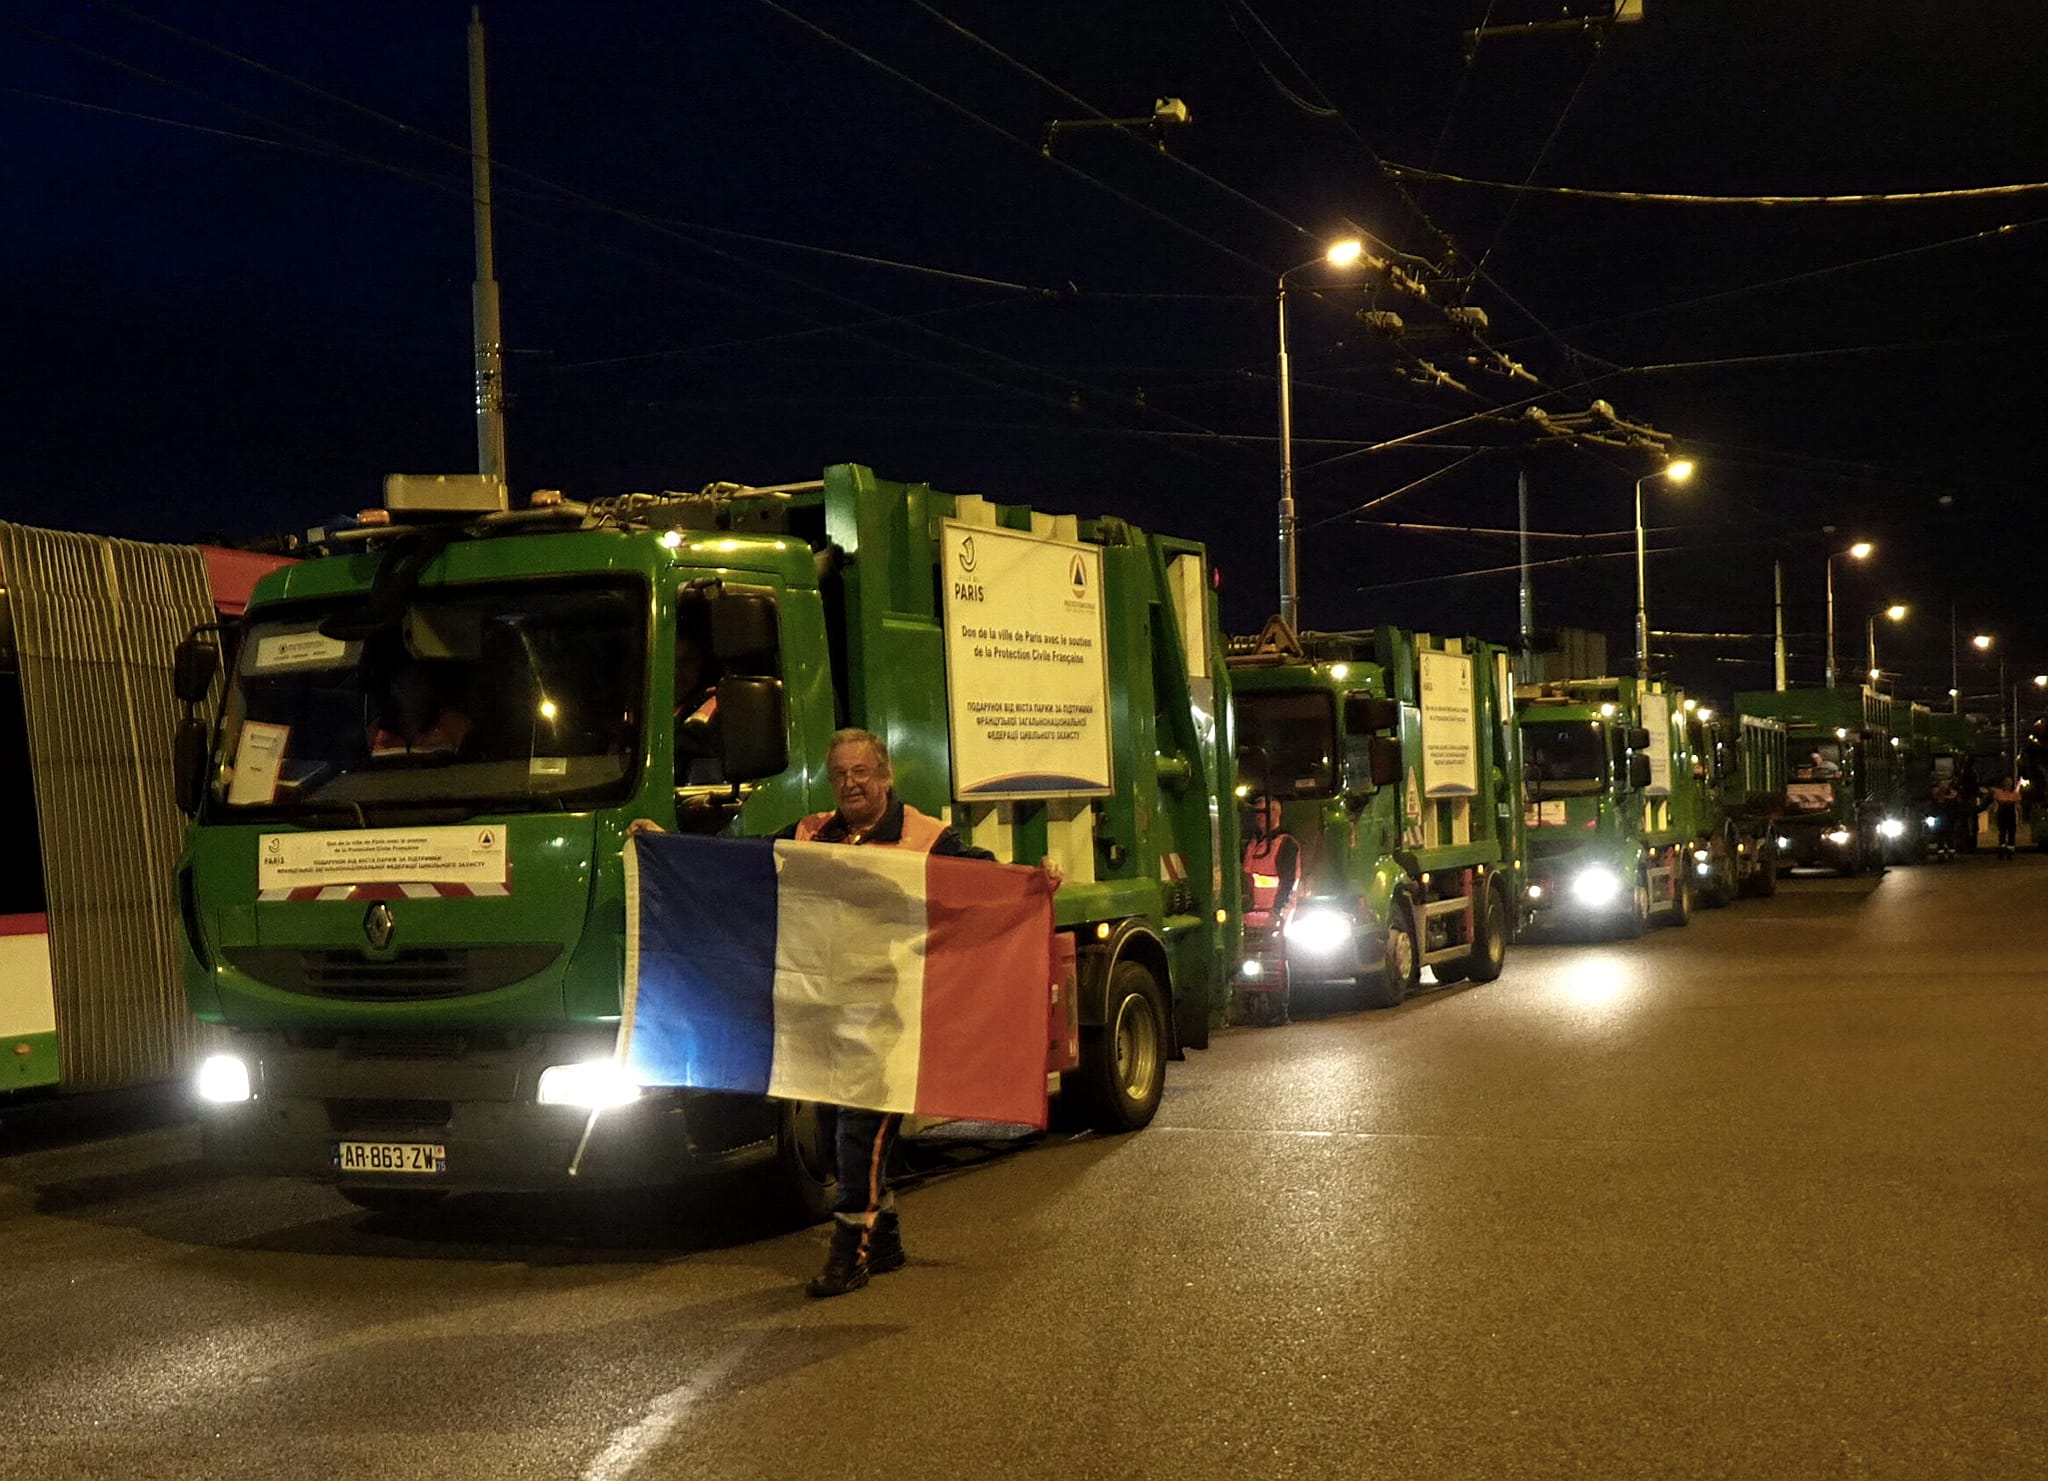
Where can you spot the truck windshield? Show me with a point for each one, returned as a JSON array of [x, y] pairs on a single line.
[[1563, 758], [1298, 735], [507, 697]]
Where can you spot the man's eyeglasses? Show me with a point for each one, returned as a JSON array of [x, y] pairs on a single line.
[[860, 775]]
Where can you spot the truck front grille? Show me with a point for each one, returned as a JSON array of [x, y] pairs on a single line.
[[421, 972], [388, 1115]]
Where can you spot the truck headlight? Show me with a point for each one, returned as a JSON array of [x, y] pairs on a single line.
[[1251, 969], [1933, 822], [1783, 843], [1596, 886], [596, 1085], [1890, 828], [1319, 931], [1838, 836], [223, 1080]]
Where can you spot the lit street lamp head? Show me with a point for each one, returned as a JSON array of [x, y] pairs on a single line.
[[1861, 550], [1679, 471], [1981, 642], [1896, 611], [1344, 253]]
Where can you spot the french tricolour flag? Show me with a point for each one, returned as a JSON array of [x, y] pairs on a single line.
[[871, 977]]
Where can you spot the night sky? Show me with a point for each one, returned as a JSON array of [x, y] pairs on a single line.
[[743, 240]]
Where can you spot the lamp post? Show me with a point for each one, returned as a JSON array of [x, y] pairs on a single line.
[[1859, 551], [1339, 254], [1677, 471], [1897, 613]]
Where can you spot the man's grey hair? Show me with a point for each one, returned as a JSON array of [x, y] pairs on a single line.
[[853, 735]]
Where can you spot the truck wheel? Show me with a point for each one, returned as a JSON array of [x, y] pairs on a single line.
[[801, 1181], [1637, 920], [1489, 936], [1763, 880], [1123, 1063], [1401, 970], [1681, 892], [401, 1202], [1727, 876]]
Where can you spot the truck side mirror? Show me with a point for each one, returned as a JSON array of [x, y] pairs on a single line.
[[1365, 713], [1639, 739], [1384, 752], [1639, 771], [188, 758], [195, 665], [753, 738], [743, 633]]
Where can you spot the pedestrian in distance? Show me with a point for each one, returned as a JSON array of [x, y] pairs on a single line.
[[1943, 811], [2005, 804]]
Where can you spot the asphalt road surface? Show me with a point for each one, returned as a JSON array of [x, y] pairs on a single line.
[[1762, 1197]]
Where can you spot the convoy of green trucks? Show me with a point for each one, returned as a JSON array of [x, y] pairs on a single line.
[[411, 768], [416, 949]]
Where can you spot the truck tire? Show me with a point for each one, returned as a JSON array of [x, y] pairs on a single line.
[[1489, 936], [1123, 1063], [1637, 920], [1727, 875], [1680, 913], [800, 1182], [1400, 970], [1763, 880]]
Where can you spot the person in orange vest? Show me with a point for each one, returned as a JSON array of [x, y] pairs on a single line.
[[866, 1236], [1272, 861], [1272, 865]]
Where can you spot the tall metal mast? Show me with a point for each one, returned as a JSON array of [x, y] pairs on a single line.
[[485, 333]]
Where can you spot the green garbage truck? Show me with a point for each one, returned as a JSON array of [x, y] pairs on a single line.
[[1610, 801], [403, 890], [1393, 757]]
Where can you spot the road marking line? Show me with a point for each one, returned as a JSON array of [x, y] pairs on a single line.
[[642, 1438]]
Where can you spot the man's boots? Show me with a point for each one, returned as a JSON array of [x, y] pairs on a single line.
[[885, 1244], [847, 1261], [847, 1267]]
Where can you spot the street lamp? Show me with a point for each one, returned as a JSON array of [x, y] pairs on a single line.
[[1338, 254], [1897, 613], [1678, 471], [1859, 551]]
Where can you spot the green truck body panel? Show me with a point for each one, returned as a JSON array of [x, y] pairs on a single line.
[[441, 1033], [1448, 829]]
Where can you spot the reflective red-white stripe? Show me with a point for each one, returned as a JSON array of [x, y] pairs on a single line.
[[1172, 866], [381, 892]]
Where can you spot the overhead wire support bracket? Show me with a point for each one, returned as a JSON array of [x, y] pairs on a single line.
[[1166, 113]]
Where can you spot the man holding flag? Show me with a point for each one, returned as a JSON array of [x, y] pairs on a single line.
[[866, 1236], [905, 978]]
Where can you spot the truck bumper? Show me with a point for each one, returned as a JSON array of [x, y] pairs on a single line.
[[480, 1108]]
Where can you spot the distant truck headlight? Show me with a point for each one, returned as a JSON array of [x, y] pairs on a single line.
[[1890, 828], [1932, 822], [1784, 843], [224, 1080], [1838, 836], [1596, 887], [1319, 932], [596, 1085], [1251, 969]]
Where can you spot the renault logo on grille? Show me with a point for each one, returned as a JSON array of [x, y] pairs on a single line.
[[378, 925]]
